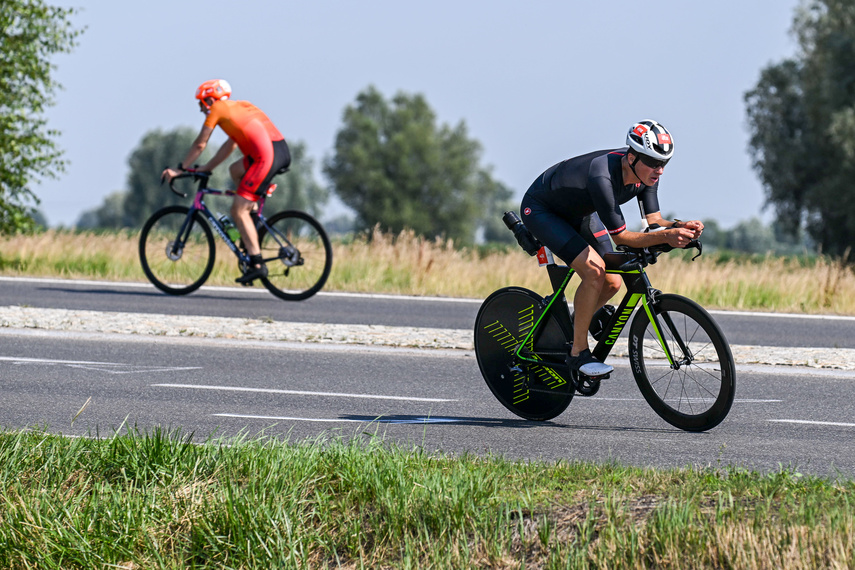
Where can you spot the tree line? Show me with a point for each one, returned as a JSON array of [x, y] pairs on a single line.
[[395, 165]]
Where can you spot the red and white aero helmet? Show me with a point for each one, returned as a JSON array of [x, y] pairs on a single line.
[[650, 138], [216, 88]]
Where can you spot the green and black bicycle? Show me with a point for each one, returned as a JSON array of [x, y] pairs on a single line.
[[679, 356]]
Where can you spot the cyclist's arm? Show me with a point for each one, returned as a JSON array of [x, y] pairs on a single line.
[[195, 151], [198, 146], [656, 219], [223, 153], [675, 237]]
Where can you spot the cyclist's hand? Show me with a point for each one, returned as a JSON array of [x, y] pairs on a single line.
[[696, 226], [679, 237], [168, 174]]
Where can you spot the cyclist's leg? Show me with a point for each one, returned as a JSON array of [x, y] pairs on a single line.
[[596, 234], [562, 237]]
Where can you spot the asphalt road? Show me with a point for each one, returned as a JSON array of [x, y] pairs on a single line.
[[435, 400], [740, 328], [782, 417]]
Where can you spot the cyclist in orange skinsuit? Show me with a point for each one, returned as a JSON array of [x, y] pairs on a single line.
[[265, 153]]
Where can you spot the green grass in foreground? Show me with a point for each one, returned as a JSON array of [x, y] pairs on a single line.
[[158, 501]]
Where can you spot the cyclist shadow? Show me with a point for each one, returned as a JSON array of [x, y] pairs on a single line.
[[498, 423], [452, 420]]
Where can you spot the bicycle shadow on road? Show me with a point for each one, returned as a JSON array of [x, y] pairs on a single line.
[[497, 423]]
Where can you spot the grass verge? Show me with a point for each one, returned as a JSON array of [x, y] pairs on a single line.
[[159, 501]]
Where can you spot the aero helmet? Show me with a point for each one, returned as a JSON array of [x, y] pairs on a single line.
[[216, 88], [652, 139]]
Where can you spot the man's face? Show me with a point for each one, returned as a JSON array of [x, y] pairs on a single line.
[[649, 169], [205, 105]]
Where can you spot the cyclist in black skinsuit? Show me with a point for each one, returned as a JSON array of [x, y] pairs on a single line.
[[574, 207]]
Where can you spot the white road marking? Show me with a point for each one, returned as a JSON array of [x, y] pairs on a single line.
[[687, 400], [303, 393], [810, 422], [109, 367], [287, 418], [244, 290], [378, 419]]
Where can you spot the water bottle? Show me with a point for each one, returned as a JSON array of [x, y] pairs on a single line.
[[230, 228], [524, 237]]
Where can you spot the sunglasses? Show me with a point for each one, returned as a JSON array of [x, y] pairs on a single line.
[[651, 162]]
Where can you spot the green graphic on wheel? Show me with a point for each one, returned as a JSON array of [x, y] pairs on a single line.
[[528, 389]]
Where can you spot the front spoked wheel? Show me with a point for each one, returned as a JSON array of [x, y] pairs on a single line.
[[298, 255], [176, 251], [696, 390], [529, 390]]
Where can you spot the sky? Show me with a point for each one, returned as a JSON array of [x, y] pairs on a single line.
[[534, 82]]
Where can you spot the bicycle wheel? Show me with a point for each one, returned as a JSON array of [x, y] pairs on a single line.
[[177, 253], [697, 393], [298, 255], [529, 390]]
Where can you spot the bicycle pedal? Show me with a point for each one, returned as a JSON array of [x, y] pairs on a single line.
[[596, 378]]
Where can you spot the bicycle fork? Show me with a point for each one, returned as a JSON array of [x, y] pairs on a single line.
[[650, 301]]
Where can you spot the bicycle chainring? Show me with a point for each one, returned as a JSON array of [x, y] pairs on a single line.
[[587, 386]]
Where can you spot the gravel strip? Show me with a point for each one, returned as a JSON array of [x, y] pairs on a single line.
[[15, 317]]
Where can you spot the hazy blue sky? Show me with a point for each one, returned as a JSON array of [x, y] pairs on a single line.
[[535, 82]]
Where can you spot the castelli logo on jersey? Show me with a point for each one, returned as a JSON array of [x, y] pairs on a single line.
[[664, 138], [527, 211]]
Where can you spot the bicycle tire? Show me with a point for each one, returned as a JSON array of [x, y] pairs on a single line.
[[699, 394], [532, 391], [183, 270], [298, 254]]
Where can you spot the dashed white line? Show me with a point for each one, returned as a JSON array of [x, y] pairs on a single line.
[[111, 367], [303, 393], [378, 419], [811, 422]]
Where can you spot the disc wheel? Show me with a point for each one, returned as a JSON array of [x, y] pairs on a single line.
[[176, 252], [529, 390], [298, 255], [694, 393]]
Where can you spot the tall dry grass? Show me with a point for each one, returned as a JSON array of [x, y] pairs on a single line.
[[408, 264]]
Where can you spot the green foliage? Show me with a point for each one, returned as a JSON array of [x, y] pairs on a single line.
[[397, 168], [160, 500], [801, 116], [31, 32], [753, 237]]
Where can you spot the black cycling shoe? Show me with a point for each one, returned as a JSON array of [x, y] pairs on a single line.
[[586, 364], [252, 274]]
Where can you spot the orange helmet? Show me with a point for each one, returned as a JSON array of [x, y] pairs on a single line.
[[216, 88]]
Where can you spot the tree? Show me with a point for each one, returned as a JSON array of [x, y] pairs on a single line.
[[145, 194], [31, 31], [801, 118], [397, 168]]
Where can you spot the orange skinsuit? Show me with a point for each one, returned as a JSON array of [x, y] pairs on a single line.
[[254, 134]]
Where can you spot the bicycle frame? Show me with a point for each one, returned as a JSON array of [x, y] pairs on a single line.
[[200, 206], [638, 292]]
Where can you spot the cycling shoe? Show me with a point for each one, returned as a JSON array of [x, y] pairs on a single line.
[[586, 364]]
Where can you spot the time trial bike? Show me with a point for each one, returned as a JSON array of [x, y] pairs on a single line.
[[177, 248], [678, 355]]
